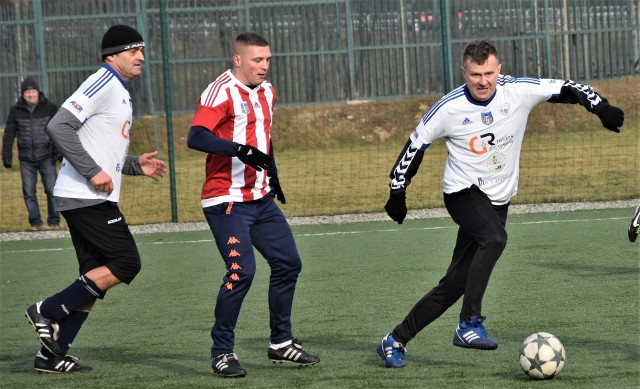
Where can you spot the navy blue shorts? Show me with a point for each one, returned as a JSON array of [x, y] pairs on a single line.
[[101, 237]]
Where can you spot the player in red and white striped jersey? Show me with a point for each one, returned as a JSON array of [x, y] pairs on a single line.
[[232, 124]]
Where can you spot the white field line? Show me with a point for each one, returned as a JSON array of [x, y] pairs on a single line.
[[320, 234]]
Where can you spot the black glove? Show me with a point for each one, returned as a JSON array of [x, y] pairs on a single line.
[[274, 183], [396, 206], [253, 157], [611, 117], [7, 163]]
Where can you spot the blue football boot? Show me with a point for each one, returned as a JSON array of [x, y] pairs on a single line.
[[392, 352], [471, 334]]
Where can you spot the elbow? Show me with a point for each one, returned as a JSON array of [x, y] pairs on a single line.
[[190, 138]]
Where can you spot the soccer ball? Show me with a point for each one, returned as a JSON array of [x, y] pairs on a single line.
[[542, 356]]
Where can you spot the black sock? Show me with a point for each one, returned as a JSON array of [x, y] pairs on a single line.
[[69, 328], [64, 303]]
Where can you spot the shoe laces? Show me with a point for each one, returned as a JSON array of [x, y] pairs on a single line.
[[480, 327], [397, 349], [296, 343]]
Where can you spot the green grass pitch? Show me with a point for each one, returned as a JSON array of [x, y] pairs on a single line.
[[573, 274]]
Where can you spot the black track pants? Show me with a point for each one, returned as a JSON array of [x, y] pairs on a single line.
[[480, 242]]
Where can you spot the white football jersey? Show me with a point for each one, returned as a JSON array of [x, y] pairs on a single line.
[[103, 106], [484, 139]]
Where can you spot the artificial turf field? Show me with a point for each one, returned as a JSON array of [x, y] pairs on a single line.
[[573, 274]]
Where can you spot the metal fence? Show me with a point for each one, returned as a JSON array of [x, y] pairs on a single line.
[[328, 51], [324, 50]]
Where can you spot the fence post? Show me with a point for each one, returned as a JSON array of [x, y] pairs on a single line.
[[166, 67], [351, 65], [447, 60], [41, 57]]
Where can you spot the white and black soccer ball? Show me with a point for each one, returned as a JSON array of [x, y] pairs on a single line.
[[542, 356]]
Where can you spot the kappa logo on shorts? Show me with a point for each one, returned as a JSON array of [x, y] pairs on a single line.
[[234, 276], [114, 220], [229, 285], [235, 266], [233, 240], [234, 253]]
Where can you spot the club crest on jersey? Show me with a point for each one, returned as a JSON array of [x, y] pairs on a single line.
[[244, 107], [487, 118], [504, 109]]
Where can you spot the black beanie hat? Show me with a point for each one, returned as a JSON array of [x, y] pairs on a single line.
[[28, 83], [119, 38]]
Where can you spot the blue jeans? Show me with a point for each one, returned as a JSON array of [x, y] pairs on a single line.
[[29, 174]]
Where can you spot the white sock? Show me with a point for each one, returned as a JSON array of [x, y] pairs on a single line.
[[279, 345]]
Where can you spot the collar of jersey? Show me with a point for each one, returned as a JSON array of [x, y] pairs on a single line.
[[109, 69], [476, 102]]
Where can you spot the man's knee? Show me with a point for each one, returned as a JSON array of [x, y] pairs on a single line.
[[496, 241], [126, 269]]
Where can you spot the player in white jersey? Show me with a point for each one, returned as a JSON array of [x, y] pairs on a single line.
[[232, 125], [91, 130], [483, 124], [634, 225]]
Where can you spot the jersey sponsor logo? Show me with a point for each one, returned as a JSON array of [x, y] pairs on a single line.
[[125, 129], [75, 105], [114, 220], [504, 109], [256, 105], [487, 142], [479, 145], [466, 121], [244, 107], [487, 118], [496, 162], [492, 181]]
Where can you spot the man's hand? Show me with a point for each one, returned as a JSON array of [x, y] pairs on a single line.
[[253, 157], [274, 183], [152, 167], [102, 182], [611, 117], [396, 206], [7, 163]]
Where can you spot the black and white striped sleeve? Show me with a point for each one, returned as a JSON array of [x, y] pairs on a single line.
[[575, 93], [406, 166]]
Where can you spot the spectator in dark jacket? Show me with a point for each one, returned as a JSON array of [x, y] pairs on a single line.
[[27, 121]]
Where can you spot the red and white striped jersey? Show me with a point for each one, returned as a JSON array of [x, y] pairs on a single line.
[[235, 112]]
